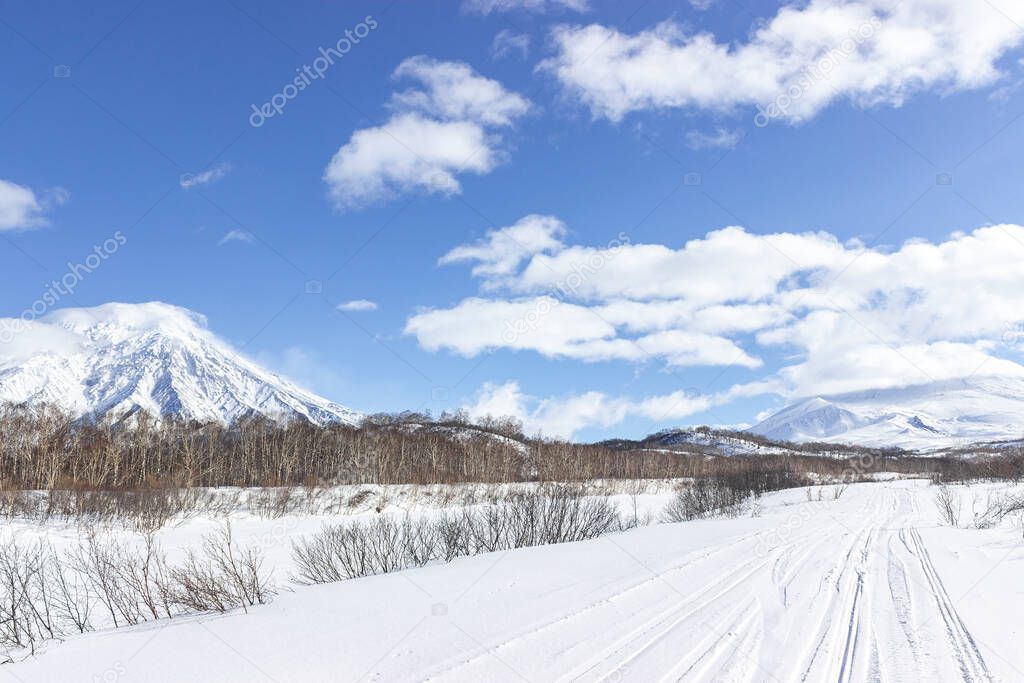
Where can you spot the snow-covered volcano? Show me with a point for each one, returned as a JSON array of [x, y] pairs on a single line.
[[941, 414], [121, 358]]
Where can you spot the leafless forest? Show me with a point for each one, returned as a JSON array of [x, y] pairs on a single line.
[[48, 450]]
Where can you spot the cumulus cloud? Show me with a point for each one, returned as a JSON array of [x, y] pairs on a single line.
[[725, 265], [794, 64], [409, 153], [453, 91], [558, 329], [841, 316], [564, 416], [489, 6], [22, 209], [208, 176], [445, 126], [507, 41], [501, 252], [358, 305]]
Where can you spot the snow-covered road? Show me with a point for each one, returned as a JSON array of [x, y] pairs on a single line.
[[869, 587]]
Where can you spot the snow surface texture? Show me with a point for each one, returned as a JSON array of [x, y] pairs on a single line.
[[121, 358], [869, 587], [930, 416]]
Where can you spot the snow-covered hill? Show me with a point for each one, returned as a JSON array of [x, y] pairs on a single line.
[[117, 359], [947, 414], [710, 442]]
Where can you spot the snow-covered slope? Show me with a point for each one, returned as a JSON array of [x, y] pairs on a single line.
[[120, 358], [710, 441], [937, 415], [866, 586]]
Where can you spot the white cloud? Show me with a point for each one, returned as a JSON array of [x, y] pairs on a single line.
[[19, 208], [358, 305], [452, 91], [837, 316], [796, 63], [564, 416], [440, 130], [409, 153], [725, 265], [237, 236], [208, 176], [488, 6], [501, 252], [539, 324], [563, 330], [507, 41], [720, 137], [22, 338], [877, 365]]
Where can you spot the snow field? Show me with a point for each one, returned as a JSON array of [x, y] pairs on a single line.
[[869, 586]]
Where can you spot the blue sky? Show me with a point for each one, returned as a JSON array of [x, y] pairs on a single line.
[[136, 117]]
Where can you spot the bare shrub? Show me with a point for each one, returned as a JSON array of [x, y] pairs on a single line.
[[28, 610], [102, 566], [545, 516], [705, 498], [568, 515], [45, 594], [274, 503], [347, 551], [221, 576], [948, 504], [421, 541], [994, 508]]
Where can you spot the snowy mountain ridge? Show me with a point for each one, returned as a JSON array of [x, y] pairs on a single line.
[[935, 415], [117, 359]]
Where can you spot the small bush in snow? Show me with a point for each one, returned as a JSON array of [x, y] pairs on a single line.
[[45, 594], [549, 515], [948, 504]]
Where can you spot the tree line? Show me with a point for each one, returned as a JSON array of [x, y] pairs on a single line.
[[45, 449]]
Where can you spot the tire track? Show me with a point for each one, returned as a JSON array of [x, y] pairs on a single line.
[[968, 656], [836, 641], [903, 608], [653, 633], [640, 640], [855, 623], [712, 658], [826, 614], [690, 560]]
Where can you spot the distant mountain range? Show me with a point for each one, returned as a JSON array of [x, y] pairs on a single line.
[[118, 359], [936, 415]]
